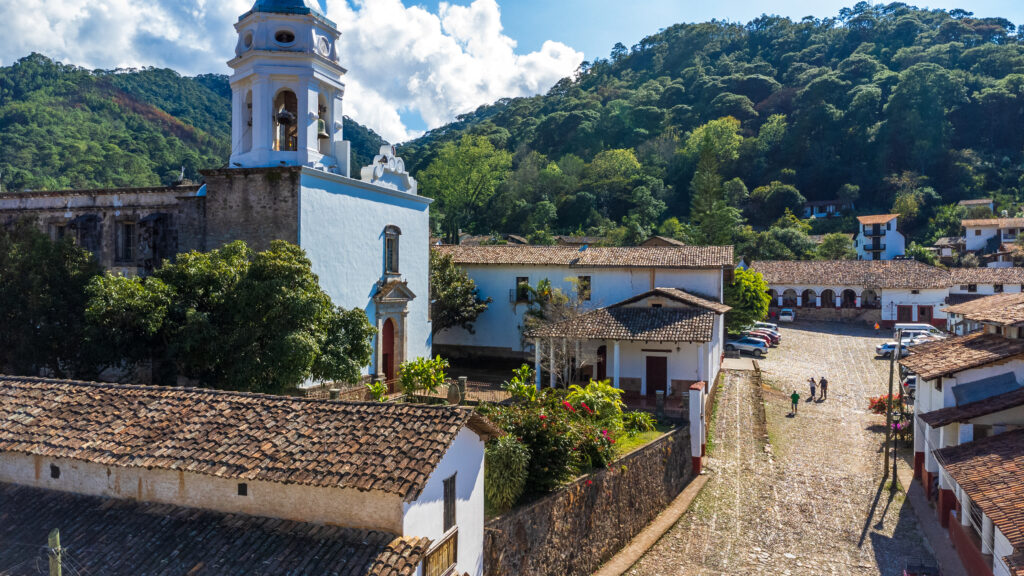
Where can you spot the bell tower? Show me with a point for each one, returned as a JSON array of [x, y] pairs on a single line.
[[287, 90]]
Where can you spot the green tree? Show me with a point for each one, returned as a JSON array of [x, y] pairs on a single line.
[[921, 254], [42, 304], [836, 246], [748, 297], [232, 319], [454, 298], [463, 178]]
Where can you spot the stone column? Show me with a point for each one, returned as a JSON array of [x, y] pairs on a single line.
[[615, 356], [576, 363], [965, 509], [262, 121], [696, 414], [780, 301], [839, 298], [565, 361], [536, 361], [799, 300], [987, 534], [238, 113], [817, 301], [857, 302]]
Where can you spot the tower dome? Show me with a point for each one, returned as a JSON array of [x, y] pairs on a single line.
[[286, 7]]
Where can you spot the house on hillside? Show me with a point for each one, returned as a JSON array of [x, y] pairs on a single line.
[[577, 241], [886, 291], [986, 203], [596, 276], [335, 487], [878, 237], [966, 284], [662, 241], [289, 178], [968, 316], [826, 208], [989, 236], [949, 249]]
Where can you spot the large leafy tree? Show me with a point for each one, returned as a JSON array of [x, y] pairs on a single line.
[[42, 299], [712, 145], [836, 246], [748, 296], [231, 318], [454, 298], [463, 178]]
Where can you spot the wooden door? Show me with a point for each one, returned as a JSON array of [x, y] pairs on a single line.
[[657, 374], [904, 313], [924, 314], [388, 349]]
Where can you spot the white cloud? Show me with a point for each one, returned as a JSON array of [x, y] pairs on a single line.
[[400, 59]]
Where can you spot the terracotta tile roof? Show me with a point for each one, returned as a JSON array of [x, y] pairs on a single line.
[[389, 447], [992, 223], [991, 472], [975, 202], [594, 256], [124, 537], [663, 241], [965, 412], [634, 324], [681, 296], [569, 240], [893, 274], [1004, 309], [945, 357], [951, 241], [876, 219], [1015, 563], [986, 275]]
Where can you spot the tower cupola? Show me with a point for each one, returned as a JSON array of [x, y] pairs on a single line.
[[287, 88]]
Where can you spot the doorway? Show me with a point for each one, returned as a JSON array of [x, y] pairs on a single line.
[[602, 363], [387, 335], [657, 374]]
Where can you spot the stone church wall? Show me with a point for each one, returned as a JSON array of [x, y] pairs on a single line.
[[576, 529], [257, 205]]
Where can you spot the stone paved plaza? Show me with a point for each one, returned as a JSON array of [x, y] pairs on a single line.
[[799, 495]]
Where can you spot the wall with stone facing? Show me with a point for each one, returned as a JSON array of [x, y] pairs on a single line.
[[257, 205], [573, 531], [829, 314]]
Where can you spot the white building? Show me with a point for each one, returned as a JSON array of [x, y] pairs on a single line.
[[606, 275], [826, 208], [404, 480], [875, 291], [878, 237], [988, 234], [287, 95]]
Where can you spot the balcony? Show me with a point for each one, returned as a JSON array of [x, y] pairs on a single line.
[[441, 559], [876, 247], [871, 231]]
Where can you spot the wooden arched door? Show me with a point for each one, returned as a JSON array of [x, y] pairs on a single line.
[[387, 348]]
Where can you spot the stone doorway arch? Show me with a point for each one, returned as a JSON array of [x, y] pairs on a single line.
[[387, 348]]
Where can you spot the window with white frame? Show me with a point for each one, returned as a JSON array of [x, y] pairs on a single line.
[[391, 236]]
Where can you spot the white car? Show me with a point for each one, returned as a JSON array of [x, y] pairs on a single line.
[[886, 350], [767, 326], [787, 315]]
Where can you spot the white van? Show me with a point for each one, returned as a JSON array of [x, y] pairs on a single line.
[[917, 330]]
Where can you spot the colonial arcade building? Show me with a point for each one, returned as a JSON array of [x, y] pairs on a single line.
[[289, 178]]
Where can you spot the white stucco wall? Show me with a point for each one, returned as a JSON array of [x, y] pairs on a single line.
[[344, 507], [974, 374], [1001, 548], [425, 516], [500, 326], [985, 289], [895, 244], [341, 228], [977, 237], [935, 297]]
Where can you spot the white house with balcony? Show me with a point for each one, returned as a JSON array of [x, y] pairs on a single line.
[[826, 208], [885, 291], [878, 237], [393, 486], [989, 236]]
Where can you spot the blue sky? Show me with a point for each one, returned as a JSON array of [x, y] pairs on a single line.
[[413, 64], [594, 26]]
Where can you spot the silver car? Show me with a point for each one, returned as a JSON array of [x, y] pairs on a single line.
[[756, 348]]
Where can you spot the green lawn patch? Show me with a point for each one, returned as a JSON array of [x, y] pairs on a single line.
[[626, 444]]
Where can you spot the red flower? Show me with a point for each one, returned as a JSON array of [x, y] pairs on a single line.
[[587, 408], [568, 406], [542, 417], [589, 482]]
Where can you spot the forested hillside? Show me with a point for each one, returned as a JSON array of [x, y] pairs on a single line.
[[67, 127], [891, 106]]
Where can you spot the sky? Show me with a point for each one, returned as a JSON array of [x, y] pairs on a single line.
[[413, 64]]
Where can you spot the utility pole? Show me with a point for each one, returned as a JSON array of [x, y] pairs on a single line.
[[895, 440], [888, 405], [55, 552]]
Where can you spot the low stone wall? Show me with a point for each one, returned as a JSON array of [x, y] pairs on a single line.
[[576, 529], [825, 314]]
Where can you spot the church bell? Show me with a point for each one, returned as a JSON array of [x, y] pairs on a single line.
[[321, 130]]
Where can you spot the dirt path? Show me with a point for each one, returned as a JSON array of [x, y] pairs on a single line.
[[810, 501]]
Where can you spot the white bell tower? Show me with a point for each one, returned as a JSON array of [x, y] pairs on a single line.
[[287, 90]]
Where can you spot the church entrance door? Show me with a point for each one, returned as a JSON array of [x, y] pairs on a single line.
[[388, 349]]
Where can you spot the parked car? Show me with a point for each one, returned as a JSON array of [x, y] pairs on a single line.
[[757, 348], [773, 338], [759, 337], [758, 326], [787, 315], [886, 350], [910, 384], [768, 325], [916, 327]]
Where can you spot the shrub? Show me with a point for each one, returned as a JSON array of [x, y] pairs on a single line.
[[548, 436], [598, 399], [505, 472], [422, 374], [594, 446], [378, 390], [521, 385], [636, 422], [878, 404]]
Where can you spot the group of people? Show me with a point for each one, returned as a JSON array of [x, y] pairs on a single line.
[[822, 383]]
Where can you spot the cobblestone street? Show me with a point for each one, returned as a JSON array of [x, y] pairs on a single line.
[[805, 494]]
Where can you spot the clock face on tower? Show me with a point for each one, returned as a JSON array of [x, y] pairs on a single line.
[[324, 47]]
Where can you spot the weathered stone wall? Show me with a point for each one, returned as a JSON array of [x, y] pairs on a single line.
[[573, 531], [831, 314], [257, 205]]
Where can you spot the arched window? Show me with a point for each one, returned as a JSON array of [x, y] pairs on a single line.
[[391, 234], [286, 122], [247, 129]]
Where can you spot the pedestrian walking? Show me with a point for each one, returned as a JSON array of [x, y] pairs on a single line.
[[823, 384], [796, 402], [876, 328], [813, 385]]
